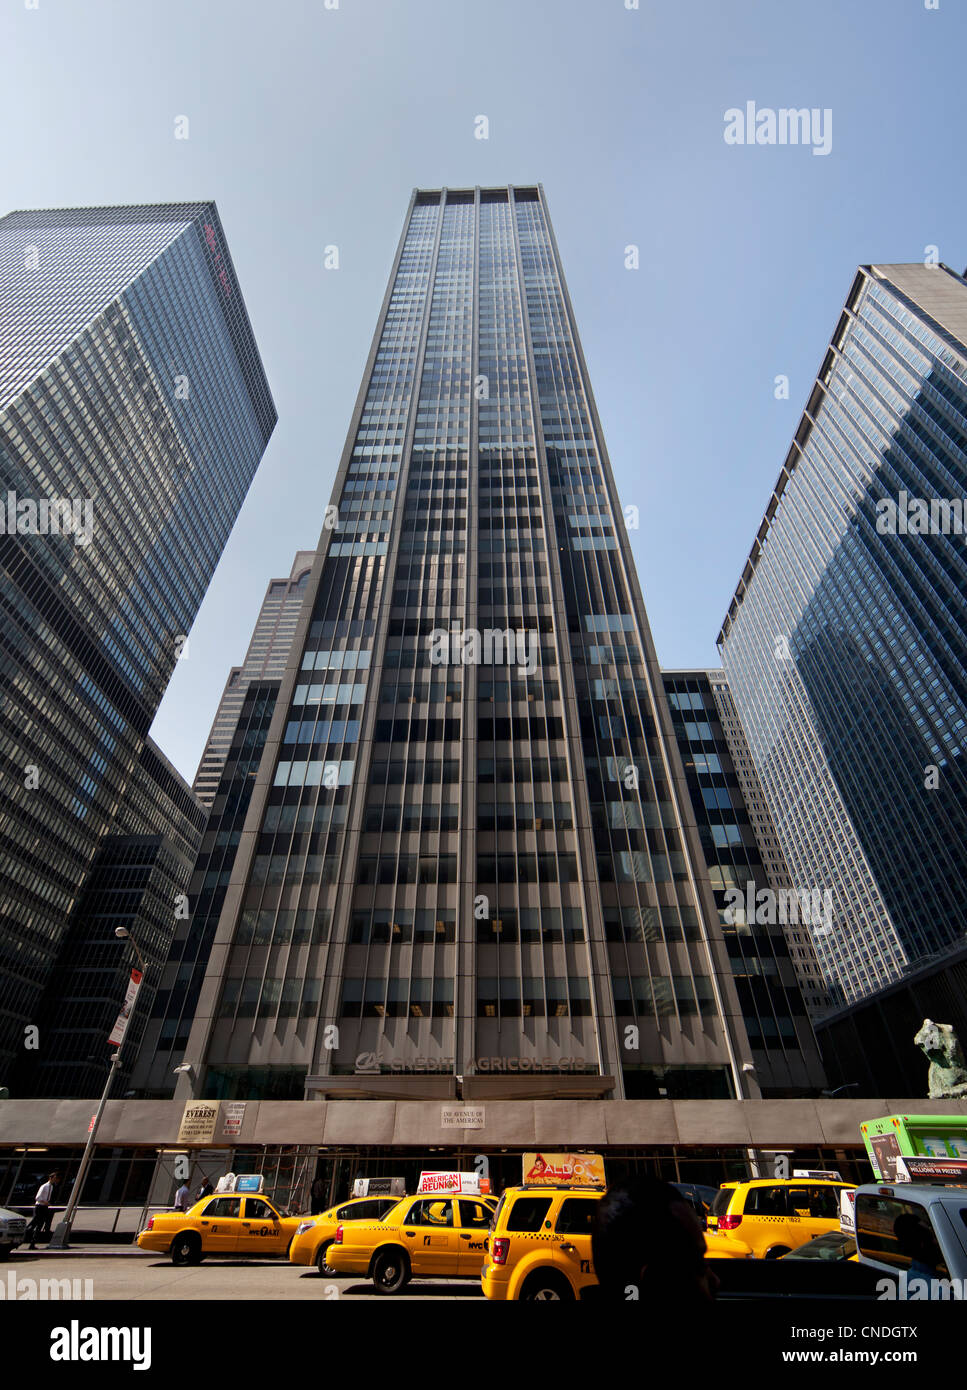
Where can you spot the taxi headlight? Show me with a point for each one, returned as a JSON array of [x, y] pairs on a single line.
[[304, 1226]]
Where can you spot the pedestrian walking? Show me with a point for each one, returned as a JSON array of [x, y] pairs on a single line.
[[205, 1190], [39, 1223], [182, 1198]]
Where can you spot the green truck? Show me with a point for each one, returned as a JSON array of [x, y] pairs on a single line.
[[913, 1136]]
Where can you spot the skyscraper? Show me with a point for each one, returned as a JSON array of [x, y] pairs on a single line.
[[470, 864], [845, 644], [766, 949], [133, 413], [267, 654]]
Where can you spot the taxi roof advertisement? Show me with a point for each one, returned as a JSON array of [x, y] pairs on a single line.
[[550, 1168], [469, 1184]]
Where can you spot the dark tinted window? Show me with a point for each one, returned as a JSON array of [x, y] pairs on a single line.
[[817, 1202], [574, 1218], [363, 1211], [528, 1213], [765, 1201], [257, 1210], [475, 1214], [223, 1207], [721, 1200], [899, 1233]]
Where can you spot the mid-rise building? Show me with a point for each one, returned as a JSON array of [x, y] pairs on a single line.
[[845, 644], [138, 882], [134, 411]]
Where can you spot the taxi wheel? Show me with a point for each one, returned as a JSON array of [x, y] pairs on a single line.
[[546, 1287], [186, 1249], [322, 1264], [390, 1271], [777, 1252]]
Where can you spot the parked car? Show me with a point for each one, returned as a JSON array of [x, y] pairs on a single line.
[[833, 1246], [12, 1228]]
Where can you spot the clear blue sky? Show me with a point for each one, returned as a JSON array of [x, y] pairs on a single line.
[[310, 126]]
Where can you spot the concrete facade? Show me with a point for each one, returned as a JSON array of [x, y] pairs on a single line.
[[765, 1124]]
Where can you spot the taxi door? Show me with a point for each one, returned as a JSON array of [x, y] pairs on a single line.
[[813, 1211], [219, 1225], [262, 1233], [571, 1246], [429, 1237], [473, 1225]]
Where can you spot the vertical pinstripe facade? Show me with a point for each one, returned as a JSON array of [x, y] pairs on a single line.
[[470, 865]]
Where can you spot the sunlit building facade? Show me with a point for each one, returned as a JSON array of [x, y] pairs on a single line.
[[470, 866], [134, 411], [845, 644]]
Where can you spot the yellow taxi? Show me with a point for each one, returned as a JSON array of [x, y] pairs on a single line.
[[429, 1236], [316, 1233], [223, 1224], [539, 1245], [772, 1216]]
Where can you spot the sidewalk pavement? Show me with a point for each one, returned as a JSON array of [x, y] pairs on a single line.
[[89, 1248]]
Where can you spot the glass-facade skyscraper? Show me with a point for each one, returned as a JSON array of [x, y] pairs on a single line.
[[134, 411], [845, 644], [470, 865]]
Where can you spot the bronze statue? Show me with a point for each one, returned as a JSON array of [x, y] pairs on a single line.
[[947, 1077]]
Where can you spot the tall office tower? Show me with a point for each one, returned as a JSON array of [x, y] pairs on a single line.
[[133, 414], [139, 881], [802, 952], [166, 1034], [845, 644], [470, 864], [265, 659], [754, 919]]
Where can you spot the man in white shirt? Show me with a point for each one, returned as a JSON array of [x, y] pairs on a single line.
[[40, 1221], [182, 1198]]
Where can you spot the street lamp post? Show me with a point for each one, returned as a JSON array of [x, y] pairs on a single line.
[[61, 1237]]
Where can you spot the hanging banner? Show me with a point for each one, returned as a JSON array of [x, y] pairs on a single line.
[[198, 1122], [233, 1113], [124, 1017]]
